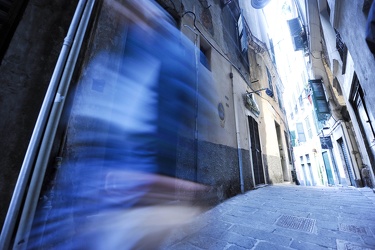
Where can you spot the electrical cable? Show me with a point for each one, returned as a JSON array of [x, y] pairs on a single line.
[[227, 59], [214, 47]]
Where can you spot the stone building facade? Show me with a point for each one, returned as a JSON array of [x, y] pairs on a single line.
[[339, 56], [244, 144]]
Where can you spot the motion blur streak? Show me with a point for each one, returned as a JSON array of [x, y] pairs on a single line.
[[117, 186]]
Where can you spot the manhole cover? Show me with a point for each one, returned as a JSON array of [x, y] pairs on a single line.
[[346, 245], [352, 229], [296, 223]]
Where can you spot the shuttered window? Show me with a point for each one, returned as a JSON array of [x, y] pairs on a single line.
[[301, 132], [319, 99], [293, 138], [308, 127], [298, 34]]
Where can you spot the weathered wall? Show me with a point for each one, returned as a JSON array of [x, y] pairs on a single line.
[[214, 158], [352, 25], [270, 113], [217, 151], [29, 64], [25, 73]]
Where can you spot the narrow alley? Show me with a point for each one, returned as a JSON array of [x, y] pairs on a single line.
[[187, 124], [285, 217]]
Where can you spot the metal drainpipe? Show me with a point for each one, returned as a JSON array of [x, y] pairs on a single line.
[[196, 107], [32, 150], [196, 51], [50, 132], [78, 28], [239, 153]]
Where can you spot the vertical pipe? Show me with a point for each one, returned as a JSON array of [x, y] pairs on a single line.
[[196, 54], [196, 50], [50, 133], [239, 153], [32, 150]]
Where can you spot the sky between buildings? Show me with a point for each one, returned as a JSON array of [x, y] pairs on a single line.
[[290, 63]]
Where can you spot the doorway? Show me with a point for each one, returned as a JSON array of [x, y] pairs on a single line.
[[345, 157], [282, 153], [256, 152], [328, 168], [364, 118]]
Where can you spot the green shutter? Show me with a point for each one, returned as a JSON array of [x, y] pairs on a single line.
[[319, 100], [293, 137]]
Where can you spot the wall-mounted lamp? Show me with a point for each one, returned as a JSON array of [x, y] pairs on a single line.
[[268, 91]]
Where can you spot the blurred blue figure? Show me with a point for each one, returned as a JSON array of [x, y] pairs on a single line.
[[116, 187]]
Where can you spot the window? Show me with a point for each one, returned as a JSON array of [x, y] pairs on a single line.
[[307, 158], [300, 99], [308, 127], [319, 100], [342, 49], [242, 33], [288, 147], [301, 133], [293, 138], [298, 34], [205, 54], [362, 114], [279, 98], [272, 52], [270, 86], [318, 125]]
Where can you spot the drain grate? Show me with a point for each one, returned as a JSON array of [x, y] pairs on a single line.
[[352, 229], [296, 223]]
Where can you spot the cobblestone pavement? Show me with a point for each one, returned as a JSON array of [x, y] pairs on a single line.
[[284, 217]]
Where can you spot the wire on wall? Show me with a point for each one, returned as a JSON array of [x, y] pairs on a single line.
[[214, 47], [225, 57]]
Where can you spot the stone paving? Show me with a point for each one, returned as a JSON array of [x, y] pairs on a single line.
[[284, 217]]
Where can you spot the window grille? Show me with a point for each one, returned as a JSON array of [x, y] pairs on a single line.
[[342, 49]]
